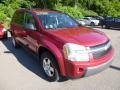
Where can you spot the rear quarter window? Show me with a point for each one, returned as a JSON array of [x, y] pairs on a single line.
[[18, 18]]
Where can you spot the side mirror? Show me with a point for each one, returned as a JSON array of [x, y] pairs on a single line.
[[30, 26]]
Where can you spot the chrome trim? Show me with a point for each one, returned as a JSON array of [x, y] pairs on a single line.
[[102, 47], [101, 50]]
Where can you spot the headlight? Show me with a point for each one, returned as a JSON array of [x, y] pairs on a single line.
[[75, 52], [4, 30]]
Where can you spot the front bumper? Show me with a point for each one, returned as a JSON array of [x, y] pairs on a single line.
[[83, 69], [96, 69]]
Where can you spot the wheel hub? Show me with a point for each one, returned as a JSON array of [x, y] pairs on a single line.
[[48, 67]]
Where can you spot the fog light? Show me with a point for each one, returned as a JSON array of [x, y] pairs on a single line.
[[81, 69]]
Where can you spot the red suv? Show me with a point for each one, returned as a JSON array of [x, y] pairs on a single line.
[[65, 48]]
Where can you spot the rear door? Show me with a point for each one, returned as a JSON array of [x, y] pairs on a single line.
[[18, 27]]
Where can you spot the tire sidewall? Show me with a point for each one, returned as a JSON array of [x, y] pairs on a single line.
[[14, 42], [55, 77], [107, 27]]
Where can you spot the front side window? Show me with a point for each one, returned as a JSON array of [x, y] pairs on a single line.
[[54, 20], [29, 19], [86, 18]]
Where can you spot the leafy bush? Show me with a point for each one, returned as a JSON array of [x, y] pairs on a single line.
[[75, 12], [89, 13], [2, 16], [8, 7], [75, 8]]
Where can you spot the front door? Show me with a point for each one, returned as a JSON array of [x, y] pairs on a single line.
[[32, 32]]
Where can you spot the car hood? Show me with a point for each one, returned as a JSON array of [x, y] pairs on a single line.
[[82, 35]]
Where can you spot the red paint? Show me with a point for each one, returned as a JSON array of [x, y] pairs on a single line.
[[53, 40], [73, 67], [82, 35]]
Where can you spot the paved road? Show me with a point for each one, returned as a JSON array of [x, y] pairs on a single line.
[[20, 71]]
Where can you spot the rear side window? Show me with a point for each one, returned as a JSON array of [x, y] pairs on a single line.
[[18, 18]]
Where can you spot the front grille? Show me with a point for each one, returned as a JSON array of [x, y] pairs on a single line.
[[101, 50]]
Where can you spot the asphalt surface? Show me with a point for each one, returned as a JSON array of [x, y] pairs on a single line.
[[20, 71]]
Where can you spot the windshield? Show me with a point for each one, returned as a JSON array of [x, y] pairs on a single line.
[[54, 20]]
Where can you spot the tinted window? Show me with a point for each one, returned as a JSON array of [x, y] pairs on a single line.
[[117, 20], [29, 19], [19, 18], [86, 18], [110, 19]]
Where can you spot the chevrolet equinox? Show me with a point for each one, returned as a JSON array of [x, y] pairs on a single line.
[[64, 48]]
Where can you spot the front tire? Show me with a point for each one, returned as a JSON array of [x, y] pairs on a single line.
[[49, 67]]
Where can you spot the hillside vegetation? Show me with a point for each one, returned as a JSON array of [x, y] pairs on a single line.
[[76, 8]]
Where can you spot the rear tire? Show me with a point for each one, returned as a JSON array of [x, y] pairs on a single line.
[[92, 24], [49, 67], [15, 44], [107, 27]]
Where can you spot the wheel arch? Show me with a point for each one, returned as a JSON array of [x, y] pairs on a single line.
[[56, 53]]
